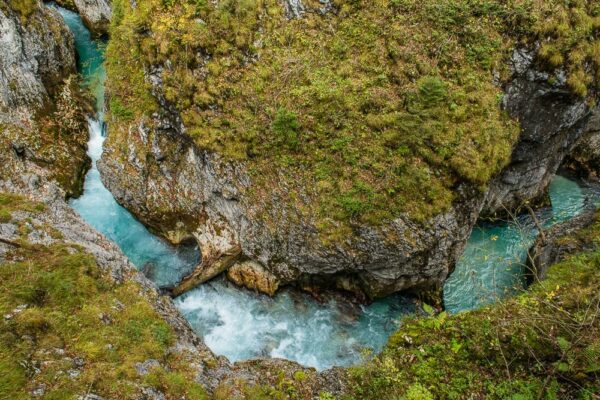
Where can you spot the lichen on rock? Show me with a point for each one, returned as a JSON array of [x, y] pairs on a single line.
[[42, 106]]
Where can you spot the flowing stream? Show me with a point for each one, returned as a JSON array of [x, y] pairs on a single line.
[[241, 324]]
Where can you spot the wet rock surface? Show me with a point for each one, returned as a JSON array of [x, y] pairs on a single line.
[[554, 244], [96, 14], [552, 122]]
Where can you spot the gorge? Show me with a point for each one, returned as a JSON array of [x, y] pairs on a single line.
[[347, 281], [242, 325]]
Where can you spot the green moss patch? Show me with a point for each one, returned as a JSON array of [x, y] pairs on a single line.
[[379, 108], [70, 330]]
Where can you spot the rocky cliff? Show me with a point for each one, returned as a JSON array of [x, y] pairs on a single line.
[[362, 165], [96, 14], [180, 191], [585, 157], [555, 244], [42, 108], [553, 121]]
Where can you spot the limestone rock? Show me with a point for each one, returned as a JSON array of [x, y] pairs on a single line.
[[38, 53], [157, 173], [42, 110], [552, 121], [96, 14], [585, 157], [554, 244], [253, 276]]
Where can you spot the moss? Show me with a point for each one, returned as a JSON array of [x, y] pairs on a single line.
[[375, 110], [24, 8], [542, 344], [59, 307]]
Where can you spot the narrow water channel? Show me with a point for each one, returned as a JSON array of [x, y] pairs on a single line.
[[240, 324]]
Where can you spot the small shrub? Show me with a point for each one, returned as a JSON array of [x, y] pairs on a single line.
[[286, 128]]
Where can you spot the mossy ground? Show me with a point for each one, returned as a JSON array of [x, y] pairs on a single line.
[[544, 344], [377, 109], [59, 308]]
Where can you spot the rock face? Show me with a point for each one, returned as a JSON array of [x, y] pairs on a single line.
[[180, 191], [96, 14], [585, 157], [37, 55], [42, 111], [552, 245], [552, 121]]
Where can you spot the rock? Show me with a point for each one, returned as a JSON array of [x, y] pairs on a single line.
[[554, 244], [193, 193], [39, 391], [293, 8], [180, 191], [38, 53], [96, 15], [253, 276], [585, 157], [42, 110], [145, 367], [552, 121]]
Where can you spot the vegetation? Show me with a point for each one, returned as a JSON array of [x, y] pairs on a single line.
[[56, 137], [379, 108], [24, 8], [70, 330], [544, 344]]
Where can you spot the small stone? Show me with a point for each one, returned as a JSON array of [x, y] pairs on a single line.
[[39, 391], [58, 351], [78, 362], [145, 367], [73, 373], [104, 318], [90, 396]]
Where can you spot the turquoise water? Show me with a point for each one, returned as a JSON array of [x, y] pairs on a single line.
[[236, 323], [97, 205], [241, 324], [493, 264]]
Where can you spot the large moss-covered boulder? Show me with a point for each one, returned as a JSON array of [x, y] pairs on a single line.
[[343, 143]]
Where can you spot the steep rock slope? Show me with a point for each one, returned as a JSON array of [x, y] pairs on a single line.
[[339, 148], [585, 158], [553, 121], [42, 108], [96, 14]]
